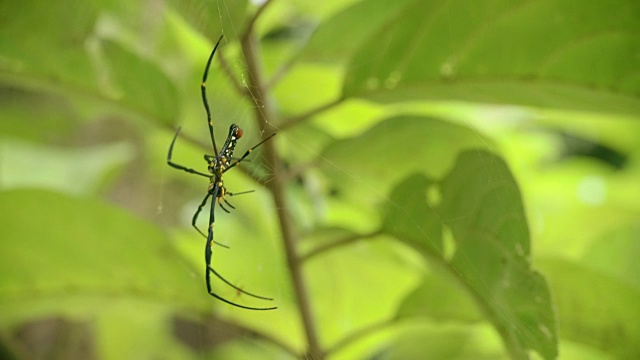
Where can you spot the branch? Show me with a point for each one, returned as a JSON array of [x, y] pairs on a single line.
[[313, 112], [298, 170], [359, 334], [264, 116], [249, 30], [282, 71], [248, 332], [335, 244]]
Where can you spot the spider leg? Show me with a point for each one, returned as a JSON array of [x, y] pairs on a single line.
[[237, 288], [227, 301], [178, 166], [240, 193], [221, 197], [224, 208], [203, 91], [195, 218], [226, 202], [231, 194], [208, 255]]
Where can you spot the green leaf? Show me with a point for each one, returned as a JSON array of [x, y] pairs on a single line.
[[73, 171], [616, 253], [564, 54], [351, 26], [446, 342], [63, 248], [446, 302], [595, 308], [66, 59], [425, 229], [35, 116], [54, 54], [149, 92], [480, 205], [393, 149]]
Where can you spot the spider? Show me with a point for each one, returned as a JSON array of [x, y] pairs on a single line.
[[218, 164]]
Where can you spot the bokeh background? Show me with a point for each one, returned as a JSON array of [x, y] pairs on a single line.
[[449, 179]]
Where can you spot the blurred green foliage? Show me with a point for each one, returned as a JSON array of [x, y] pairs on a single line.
[[461, 179]]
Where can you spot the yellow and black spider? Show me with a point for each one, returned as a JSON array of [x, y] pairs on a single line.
[[218, 164]]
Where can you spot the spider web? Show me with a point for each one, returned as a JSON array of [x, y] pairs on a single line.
[[244, 117]]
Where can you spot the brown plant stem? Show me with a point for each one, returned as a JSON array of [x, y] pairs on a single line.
[[336, 244], [255, 17], [302, 117], [252, 333], [360, 334], [264, 115]]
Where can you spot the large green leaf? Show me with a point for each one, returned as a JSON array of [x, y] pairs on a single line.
[[564, 54], [63, 248], [353, 25], [72, 61], [394, 148], [480, 206], [54, 55]]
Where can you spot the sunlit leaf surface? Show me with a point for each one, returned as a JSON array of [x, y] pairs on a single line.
[[56, 246], [569, 54]]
